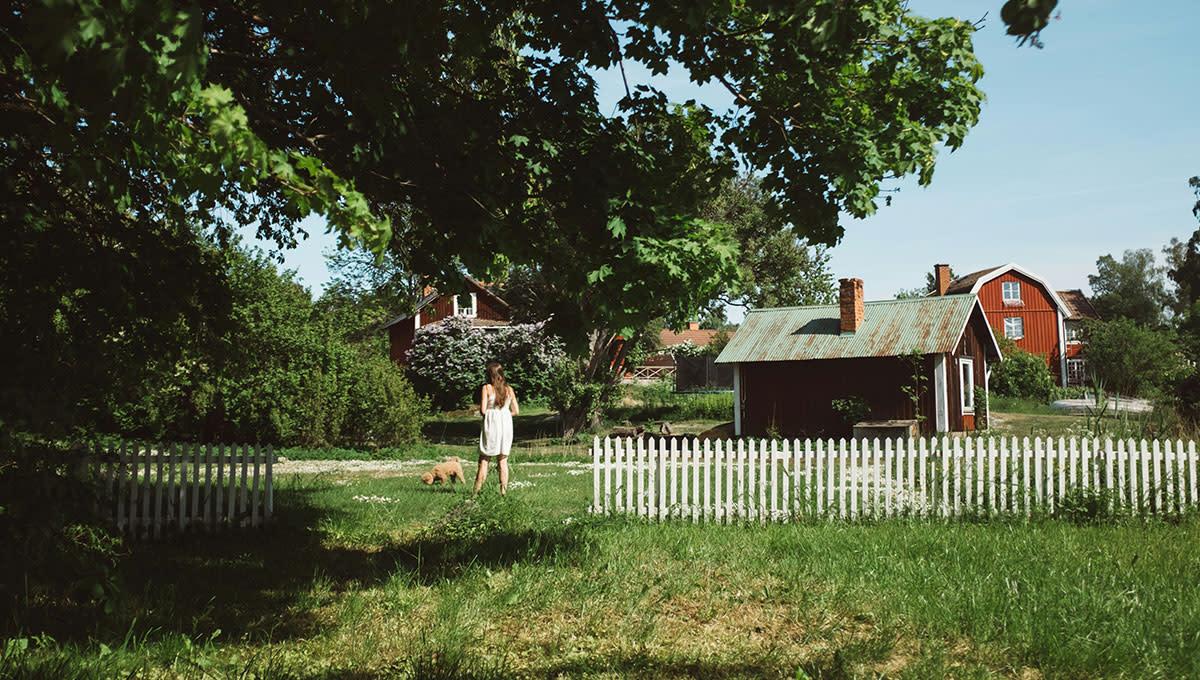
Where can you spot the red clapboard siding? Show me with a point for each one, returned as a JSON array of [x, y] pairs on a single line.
[[1038, 311], [780, 396]]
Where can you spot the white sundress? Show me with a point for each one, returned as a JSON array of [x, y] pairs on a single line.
[[495, 439]]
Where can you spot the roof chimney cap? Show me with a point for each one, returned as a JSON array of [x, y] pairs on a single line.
[[941, 279], [850, 304]]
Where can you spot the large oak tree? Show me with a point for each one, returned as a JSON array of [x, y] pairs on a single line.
[[476, 122]]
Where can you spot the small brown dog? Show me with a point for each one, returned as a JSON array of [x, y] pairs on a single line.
[[447, 471]]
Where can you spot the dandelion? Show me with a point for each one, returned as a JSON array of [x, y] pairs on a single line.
[[376, 499]]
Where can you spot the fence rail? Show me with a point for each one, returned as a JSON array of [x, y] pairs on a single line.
[[780, 480], [149, 491]]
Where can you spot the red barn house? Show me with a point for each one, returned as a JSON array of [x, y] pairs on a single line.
[[476, 302], [791, 364], [1022, 307]]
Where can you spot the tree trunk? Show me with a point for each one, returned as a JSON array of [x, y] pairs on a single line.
[[601, 372]]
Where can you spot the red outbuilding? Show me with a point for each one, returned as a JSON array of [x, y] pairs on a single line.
[[916, 361]]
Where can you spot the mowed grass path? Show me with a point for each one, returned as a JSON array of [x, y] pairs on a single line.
[[380, 576]]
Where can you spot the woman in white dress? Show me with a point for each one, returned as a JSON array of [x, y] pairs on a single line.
[[497, 405]]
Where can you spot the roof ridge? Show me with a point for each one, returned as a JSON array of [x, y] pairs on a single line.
[[835, 305]]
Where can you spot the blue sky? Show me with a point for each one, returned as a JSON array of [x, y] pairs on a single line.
[[1083, 148]]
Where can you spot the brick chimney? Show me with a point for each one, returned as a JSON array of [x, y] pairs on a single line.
[[851, 302], [941, 278], [693, 325]]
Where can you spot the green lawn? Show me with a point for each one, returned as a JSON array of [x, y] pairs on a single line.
[[377, 575]]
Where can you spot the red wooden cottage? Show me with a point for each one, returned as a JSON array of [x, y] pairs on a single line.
[[1022, 307], [476, 302], [792, 363]]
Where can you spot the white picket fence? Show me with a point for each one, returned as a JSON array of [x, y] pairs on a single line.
[[148, 491], [751, 480]]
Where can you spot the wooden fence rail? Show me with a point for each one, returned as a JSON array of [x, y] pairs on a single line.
[[148, 491], [745, 480]]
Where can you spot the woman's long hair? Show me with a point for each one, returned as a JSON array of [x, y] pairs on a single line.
[[495, 378]]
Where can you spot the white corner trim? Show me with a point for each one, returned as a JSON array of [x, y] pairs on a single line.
[[1062, 350], [416, 321], [940, 394], [737, 400], [987, 393], [1014, 267]]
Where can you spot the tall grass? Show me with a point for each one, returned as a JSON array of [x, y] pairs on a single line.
[[659, 401]]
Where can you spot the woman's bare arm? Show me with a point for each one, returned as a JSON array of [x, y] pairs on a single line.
[[513, 408], [483, 400]]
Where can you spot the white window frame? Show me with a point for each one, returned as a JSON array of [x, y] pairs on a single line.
[[966, 396], [1020, 321], [1005, 287], [468, 312], [1070, 328]]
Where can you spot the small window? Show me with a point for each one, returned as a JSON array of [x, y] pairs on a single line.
[[966, 372], [1014, 327], [1074, 332], [1011, 292], [465, 305]]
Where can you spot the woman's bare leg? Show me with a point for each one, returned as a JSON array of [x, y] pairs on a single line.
[[503, 475], [481, 473]]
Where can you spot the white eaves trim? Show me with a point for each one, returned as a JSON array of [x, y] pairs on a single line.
[[1014, 267], [991, 335]]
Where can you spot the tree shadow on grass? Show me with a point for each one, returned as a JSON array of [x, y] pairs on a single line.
[[271, 584]]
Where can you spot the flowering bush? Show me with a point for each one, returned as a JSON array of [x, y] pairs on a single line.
[[687, 348], [447, 360]]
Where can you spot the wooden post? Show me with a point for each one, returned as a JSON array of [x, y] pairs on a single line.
[[181, 498], [270, 507], [682, 509], [709, 510], [641, 477], [254, 500], [208, 494], [195, 456], [606, 501], [597, 507], [243, 494], [231, 499], [831, 456], [120, 483], [158, 495], [219, 492], [694, 462]]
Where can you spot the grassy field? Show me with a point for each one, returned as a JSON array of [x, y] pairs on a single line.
[[375, 575]]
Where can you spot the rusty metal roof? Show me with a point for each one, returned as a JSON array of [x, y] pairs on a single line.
[[926, 325]]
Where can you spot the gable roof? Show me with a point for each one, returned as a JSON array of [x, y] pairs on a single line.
[[928, 325], [966, 283], [433, 294], [1079, 304], [971, 283]]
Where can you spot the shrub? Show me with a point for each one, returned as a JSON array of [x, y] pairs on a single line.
[[852, 409], [1022, 374], [58, 553], [1131, 359], [447, 360], [383, 408]]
